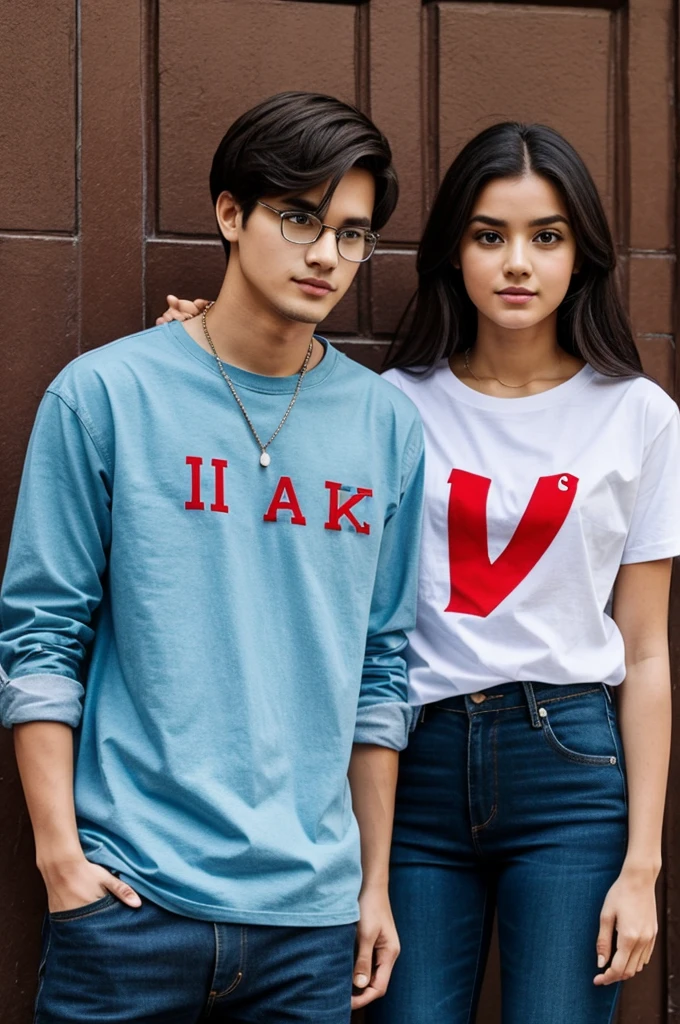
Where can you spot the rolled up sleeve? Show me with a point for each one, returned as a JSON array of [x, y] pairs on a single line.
[[52, 585], [384, 715]]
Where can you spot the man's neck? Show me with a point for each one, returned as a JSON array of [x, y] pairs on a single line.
[[254, 338]]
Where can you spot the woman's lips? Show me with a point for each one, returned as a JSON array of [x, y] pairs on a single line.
[[517, 298]]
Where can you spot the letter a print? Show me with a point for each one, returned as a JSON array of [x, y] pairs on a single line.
[[478, 585]]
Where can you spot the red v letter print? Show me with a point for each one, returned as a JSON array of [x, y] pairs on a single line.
[[478, 585]]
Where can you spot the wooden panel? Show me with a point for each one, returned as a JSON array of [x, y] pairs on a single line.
[[39, 336], [396, 106], [499, 63], [658, 359], [652, 286], [113, 188], [37, 127], [650, 97], [190, 269], [393, 282], [208, 78], [609, 5]]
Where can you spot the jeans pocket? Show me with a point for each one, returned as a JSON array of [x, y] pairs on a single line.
[[96, 907], [572, 722]]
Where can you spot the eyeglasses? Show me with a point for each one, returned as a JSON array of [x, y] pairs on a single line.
[[354, 244]]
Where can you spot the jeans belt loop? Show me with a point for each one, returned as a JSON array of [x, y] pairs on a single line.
[[531, 704]]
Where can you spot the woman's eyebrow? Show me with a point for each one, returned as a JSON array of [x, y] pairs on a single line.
[[540, 222], [491, 221]]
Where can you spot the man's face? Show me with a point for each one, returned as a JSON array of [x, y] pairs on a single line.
[[300, 282]]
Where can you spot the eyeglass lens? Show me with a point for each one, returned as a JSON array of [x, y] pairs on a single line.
[[354, 244]]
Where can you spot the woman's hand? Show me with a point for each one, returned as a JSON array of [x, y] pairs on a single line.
[[181, 309], [630, 908]]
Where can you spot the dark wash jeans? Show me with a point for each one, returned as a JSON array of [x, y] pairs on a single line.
[[114, 963], [512, 801]]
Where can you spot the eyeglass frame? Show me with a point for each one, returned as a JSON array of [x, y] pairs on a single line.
[[285, 214]]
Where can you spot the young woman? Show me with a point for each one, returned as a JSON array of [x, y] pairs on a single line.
[[540, 658], [552, 483]]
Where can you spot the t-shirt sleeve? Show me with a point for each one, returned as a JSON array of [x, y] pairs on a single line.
[[383, 713], [655, 525], [57, 559]]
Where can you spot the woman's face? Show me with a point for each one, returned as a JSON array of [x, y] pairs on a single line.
[[518, 252]]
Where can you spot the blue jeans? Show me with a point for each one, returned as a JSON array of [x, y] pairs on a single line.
[[114, 963], [512, 801]]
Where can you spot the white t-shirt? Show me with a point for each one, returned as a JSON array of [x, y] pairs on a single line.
[[531, 506]]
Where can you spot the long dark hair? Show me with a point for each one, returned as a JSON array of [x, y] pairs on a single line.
[[591, 321], [294, 141]]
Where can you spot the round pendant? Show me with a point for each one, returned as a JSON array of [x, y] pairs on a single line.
[[265, 459]]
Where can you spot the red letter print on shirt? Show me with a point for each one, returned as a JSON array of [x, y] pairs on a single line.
[[218, 505], [195, 502], [478, 585], [291, 504], [336, 510]]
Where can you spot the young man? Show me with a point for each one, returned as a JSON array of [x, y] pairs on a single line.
[[211, 575]]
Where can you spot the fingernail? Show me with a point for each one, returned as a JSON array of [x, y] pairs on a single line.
[[601, 961], [360, 980]]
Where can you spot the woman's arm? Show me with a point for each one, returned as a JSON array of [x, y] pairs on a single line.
[[641, 613]]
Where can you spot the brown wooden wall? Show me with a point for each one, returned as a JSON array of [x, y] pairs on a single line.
[[111, 112]]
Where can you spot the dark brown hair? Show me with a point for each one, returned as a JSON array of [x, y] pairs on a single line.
[[441, 318], [296, 140]]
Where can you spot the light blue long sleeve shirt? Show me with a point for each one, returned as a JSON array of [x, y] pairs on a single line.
[[217, 633]]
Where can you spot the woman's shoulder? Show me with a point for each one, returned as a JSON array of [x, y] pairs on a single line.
[[643, 397], [413, 379]]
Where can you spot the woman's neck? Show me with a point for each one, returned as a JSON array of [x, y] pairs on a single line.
[[514, 363]]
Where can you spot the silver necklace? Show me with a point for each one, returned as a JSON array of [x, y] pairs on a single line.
[[265, 457], [515, 387]]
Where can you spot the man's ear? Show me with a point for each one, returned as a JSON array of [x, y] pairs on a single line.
[[228, 213]]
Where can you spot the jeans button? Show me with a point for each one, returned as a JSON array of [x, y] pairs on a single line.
[[477, 698]]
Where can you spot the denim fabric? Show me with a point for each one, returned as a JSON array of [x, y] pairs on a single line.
[[510, 801], [110, 962]]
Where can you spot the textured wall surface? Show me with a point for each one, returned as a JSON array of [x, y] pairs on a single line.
[[111, 112]]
